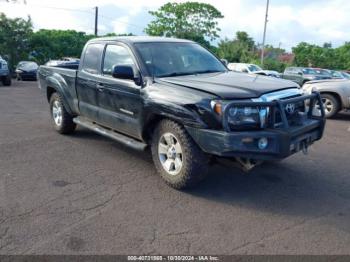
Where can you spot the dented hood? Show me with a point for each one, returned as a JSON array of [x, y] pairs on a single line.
[[231, 84]]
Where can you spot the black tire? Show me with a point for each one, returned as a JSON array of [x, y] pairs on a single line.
[[331, 105], [7, 81], [66, 125], [194, 161]]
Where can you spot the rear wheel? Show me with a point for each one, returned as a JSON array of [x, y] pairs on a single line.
[[330, 104], [63, 121], [180, 162]]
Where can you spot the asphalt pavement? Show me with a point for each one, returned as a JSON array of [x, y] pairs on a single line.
[[86, 194]]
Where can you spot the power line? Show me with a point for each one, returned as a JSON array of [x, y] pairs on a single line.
[[121, 22], [84, 11]]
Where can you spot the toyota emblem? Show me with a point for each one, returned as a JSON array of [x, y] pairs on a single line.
[[290, 108]]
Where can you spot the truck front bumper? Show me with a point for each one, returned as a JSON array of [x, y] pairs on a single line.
[[266, 143], [245, 144]]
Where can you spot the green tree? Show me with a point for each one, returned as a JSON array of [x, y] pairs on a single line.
[[190, 20], [14, 38], [54, 44], [317, 56], [343, 56], [241, 49]]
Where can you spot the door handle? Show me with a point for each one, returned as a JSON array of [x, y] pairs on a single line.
[[100, 87]]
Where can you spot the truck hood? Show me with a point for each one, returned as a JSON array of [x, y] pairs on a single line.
[[231, 84]]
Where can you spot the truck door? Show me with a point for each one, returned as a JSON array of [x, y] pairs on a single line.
[[86, 83], [119, 100]]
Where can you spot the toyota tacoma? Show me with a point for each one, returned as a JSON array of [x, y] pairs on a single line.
[[180, 100]]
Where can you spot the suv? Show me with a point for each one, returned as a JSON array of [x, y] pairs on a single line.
[[4, 73], [177, 98], [301, 75]]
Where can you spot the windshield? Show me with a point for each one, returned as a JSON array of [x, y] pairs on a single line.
[[322, 72], [28, 66], [336, 74], [254, 68], [173, 59], [345, 75], [309, 71]]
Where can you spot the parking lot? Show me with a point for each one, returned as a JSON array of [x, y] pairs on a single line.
[[86, 194]]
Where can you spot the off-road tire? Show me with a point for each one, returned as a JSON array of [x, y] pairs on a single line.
[[67, 125], [335, 105], [194, 160]]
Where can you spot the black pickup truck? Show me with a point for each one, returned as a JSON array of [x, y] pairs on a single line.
[[178, 98]]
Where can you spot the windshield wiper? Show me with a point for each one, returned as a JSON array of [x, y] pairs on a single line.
[[190, 73], [176, 74], [207, 72]]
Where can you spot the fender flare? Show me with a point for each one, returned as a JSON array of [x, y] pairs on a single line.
[[53, 83]]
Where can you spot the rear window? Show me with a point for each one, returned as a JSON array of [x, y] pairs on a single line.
[[92, 58]]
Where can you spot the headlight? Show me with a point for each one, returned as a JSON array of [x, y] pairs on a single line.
[[247, 116], [239, 117]]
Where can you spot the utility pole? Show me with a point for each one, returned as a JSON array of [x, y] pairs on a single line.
[[263, 43], [96, 19]]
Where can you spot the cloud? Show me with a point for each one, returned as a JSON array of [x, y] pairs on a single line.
[[290, 21], [120, 25]]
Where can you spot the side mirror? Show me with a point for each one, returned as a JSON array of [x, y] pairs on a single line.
[[224, 61], [127, 72], [245, 70], [123, 72], [300, 73]]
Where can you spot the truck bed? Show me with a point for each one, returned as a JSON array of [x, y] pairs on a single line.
[[49, 76]]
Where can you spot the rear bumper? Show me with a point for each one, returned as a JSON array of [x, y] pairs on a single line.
[[281, 143], [25, 75]]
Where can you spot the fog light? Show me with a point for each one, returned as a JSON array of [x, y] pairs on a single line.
[[262, 143]]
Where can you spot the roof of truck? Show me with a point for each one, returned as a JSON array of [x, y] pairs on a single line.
[[140, 39]]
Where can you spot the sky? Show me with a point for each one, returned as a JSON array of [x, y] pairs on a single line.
[[289, 21]]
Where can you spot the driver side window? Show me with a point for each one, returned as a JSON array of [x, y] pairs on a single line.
[[116, 55]]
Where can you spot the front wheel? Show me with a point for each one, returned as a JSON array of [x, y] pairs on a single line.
[[330, 104], [62, 120], [178, 159]]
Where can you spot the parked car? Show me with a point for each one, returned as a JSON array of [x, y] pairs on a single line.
[[252, 69], [335, 94], [176, 97], [301, 75], [26, 70], [323, 72], [5, 74], [339, 74], [345, 74], [70, 63]]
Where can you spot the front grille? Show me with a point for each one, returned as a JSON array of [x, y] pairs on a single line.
[[293, 111]]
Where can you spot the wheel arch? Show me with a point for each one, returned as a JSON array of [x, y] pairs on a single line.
[[51, 90]]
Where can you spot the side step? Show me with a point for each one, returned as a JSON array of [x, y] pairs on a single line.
[[125, 140]]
